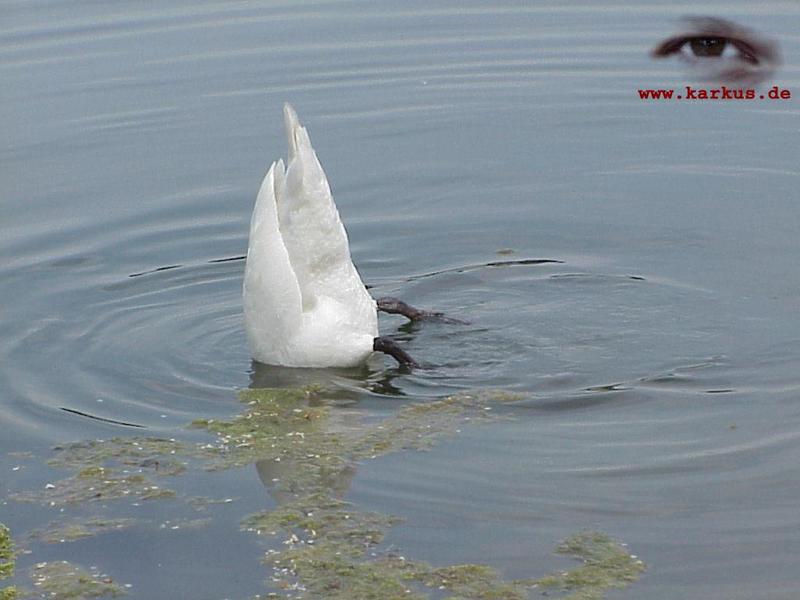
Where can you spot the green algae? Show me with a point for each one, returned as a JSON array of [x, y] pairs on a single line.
[[289, 435], [94, 484], [328, 570], [420, 426], [274, 424], [7, 563], [279, 424], [155, 455], [478, 582], [343, 571], [331, 544], [606, 565], [339, 570], [61, 580], [59, 532], [322, 517], [111, 469], [332, 547], [6, 553], [306, 456]]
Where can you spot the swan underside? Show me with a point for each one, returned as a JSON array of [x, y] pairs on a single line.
[[305, 304]]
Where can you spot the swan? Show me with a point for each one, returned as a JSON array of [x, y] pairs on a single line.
[[305, 304]]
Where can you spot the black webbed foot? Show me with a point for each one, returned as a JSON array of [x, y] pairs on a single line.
[[388, 346], [398, 307]]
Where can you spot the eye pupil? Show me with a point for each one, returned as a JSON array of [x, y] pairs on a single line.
[[708, 46]]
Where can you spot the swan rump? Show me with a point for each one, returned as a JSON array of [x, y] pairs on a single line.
[[304, 302]]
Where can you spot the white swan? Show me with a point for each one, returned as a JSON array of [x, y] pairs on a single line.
[[304, 302]]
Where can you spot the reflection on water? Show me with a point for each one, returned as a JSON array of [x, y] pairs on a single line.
[[628, 267], [308, 467]]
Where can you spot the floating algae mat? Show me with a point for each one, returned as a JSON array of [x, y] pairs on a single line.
[[305, 450], [63, 580], [59, 532], [6, 563], [110, 469]]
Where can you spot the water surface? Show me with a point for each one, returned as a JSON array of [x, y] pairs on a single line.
[[656, 355]]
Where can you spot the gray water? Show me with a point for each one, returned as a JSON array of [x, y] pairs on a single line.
[[658, 359]]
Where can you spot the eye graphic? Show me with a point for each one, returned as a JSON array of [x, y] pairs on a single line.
[[722, 50]]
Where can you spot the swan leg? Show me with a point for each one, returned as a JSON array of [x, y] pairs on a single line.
[[398, 307], [389, 346]]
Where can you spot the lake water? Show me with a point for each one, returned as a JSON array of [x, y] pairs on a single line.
[[656, 361]]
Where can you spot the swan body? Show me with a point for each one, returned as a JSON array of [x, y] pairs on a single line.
[[304, 302]]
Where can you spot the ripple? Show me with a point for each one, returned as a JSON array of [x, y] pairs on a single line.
[[146, 351]]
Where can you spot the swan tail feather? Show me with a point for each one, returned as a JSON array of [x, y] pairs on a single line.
[[272, 299]]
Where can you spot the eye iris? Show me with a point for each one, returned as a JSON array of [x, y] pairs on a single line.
[[707, 46]]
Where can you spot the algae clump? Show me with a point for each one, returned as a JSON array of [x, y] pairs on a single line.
[[96, 484], [306, 461], [306, 451], [6, 562], [111, 469], [77, 529], [274, 425], [332, 547], [345, 571], [606, 565], [155, 454], [61, 580]]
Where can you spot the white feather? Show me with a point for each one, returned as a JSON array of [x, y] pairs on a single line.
[[304, 302]]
